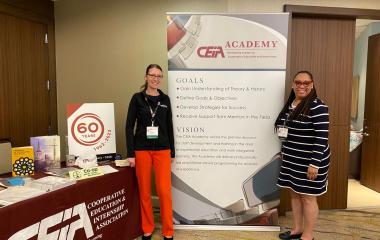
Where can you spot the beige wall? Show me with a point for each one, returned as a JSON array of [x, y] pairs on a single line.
[[103, 47]]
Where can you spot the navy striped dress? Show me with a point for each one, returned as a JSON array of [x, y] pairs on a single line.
[[306, 145]]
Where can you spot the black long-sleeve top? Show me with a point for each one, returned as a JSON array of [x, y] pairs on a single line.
[[139, 115]]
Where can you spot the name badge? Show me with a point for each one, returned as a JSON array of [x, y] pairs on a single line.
[[152, 132], [282, 132]]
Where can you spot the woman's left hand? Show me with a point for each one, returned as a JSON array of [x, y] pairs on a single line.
[[312, 173], [173, 160]]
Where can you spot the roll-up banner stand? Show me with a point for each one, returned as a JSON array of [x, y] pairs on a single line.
[[226, 84]]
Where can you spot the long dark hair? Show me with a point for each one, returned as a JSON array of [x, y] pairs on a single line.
[[150, 66], [303, 108]]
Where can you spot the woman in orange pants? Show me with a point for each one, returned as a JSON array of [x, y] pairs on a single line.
[[151, 144]]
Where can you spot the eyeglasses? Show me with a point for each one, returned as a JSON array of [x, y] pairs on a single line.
[[300, 83], [154, 76]]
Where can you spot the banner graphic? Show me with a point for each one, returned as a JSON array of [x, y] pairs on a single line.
[[226, 83]]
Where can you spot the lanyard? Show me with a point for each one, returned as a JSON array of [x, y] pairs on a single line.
[[152, 112], [287, 117]]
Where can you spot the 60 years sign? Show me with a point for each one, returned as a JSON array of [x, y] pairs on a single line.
[[91, 128]]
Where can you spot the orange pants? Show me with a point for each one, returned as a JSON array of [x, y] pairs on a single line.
[[161, 162]]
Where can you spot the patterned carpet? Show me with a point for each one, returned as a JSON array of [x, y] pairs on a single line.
[[332, 224]]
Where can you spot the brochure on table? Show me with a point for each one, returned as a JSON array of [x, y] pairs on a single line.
[[47, 152]]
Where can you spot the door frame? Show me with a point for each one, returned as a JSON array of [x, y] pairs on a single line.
[[328, 12], [41, 12], [320, 12]]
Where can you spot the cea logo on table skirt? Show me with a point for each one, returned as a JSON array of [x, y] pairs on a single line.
[[93, 217], [67, 232]]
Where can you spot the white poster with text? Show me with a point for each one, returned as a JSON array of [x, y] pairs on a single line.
[[226, 84], [91, 129]]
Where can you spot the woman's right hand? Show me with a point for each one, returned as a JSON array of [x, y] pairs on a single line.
[[132, 162]]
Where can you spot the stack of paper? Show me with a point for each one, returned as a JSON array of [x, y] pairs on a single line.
[[61, 172], [51, 183], [19, 193]]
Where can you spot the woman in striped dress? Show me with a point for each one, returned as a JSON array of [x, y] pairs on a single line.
[[303, 126]]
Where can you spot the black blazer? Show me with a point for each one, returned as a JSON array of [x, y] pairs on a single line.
[[139, 115]]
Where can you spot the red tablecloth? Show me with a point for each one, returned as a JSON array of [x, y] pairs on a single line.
[[105, 207]]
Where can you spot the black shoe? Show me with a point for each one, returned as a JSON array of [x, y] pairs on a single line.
[[288, 236], [146, 237], [166, 238]]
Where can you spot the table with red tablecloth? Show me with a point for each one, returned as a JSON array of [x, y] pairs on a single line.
[[104, 207]]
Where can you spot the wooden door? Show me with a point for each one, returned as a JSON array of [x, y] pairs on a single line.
[[370, 165], [24, 71]]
